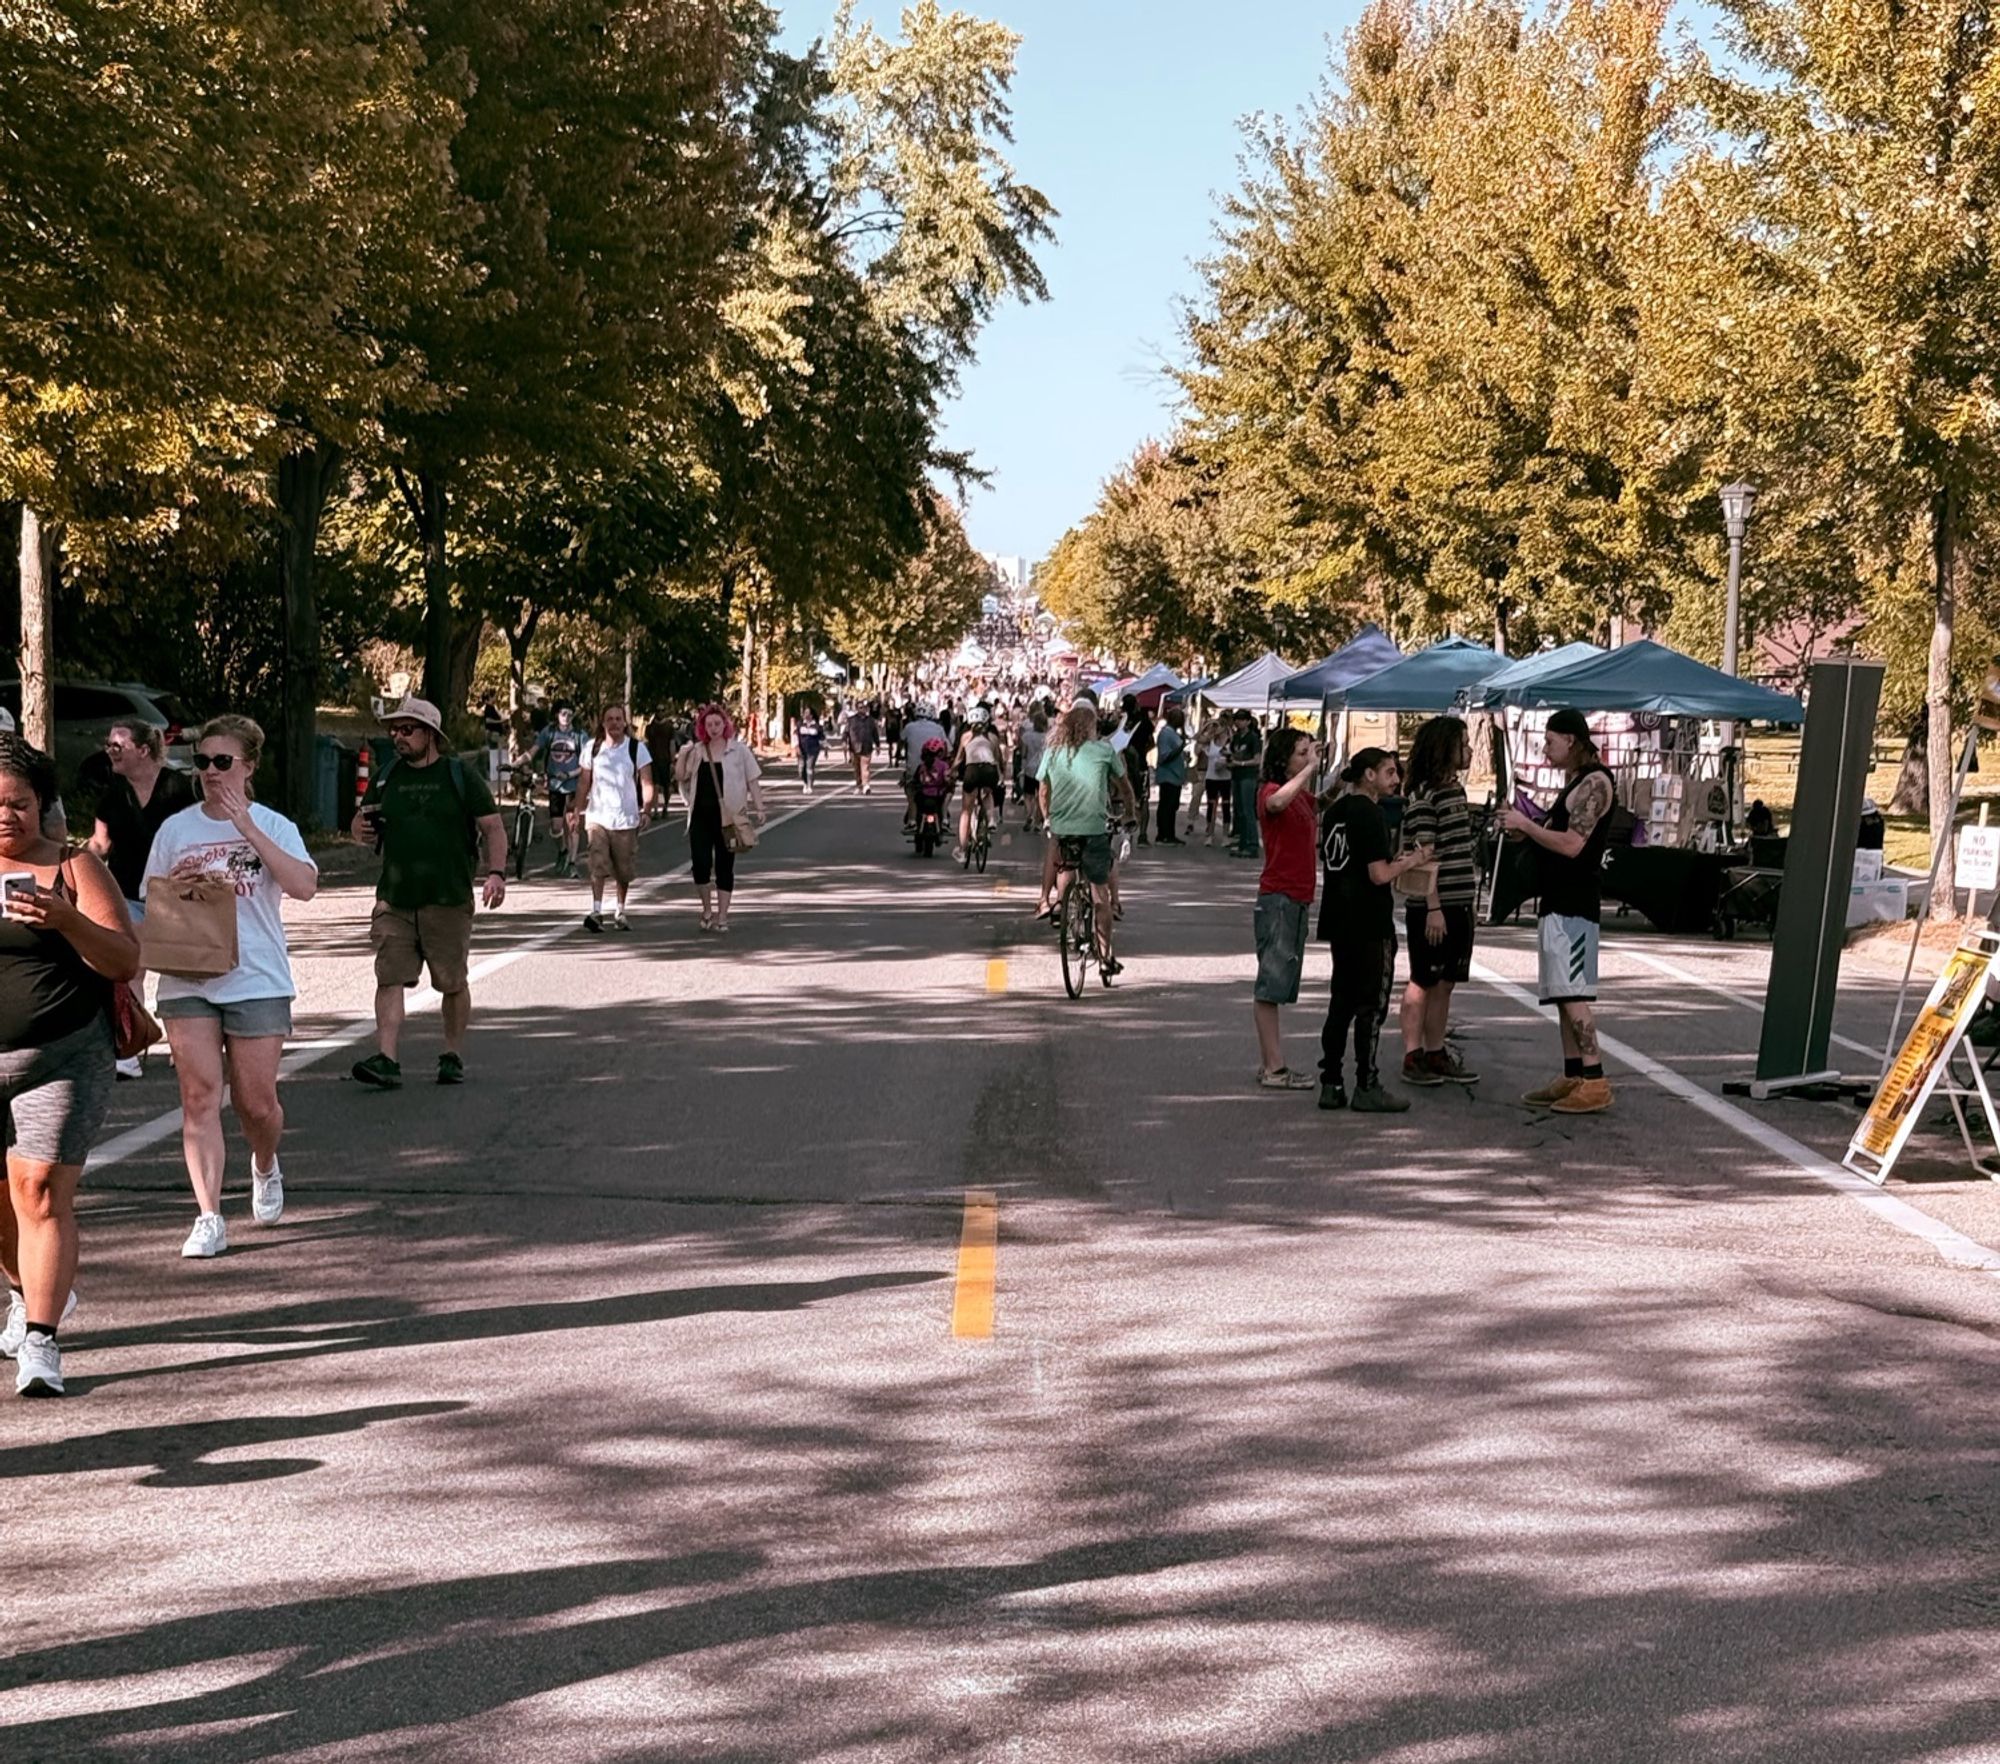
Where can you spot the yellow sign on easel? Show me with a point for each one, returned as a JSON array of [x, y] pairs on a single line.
[[1923, 1065]]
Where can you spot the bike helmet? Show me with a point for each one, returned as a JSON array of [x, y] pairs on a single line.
[[977, 717], [934, 749], [926, 712]]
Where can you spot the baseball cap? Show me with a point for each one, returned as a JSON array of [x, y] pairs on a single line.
[[1572, 723]]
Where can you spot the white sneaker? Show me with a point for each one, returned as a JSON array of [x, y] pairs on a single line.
[[131, 1068], [210, 1237], [15, 1330], [38, 1368], [620, 922], [267, 1195]]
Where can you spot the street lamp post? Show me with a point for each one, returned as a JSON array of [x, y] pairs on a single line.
[[1738, 500]]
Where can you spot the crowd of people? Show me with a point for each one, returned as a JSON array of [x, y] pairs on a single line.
[[189, 874]]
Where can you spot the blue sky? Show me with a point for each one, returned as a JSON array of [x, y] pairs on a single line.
[[1126, 115]]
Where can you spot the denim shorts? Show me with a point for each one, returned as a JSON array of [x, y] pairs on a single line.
[[246, 1019], [1281, 948]]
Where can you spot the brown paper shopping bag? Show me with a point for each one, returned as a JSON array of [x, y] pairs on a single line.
[[190, 928]]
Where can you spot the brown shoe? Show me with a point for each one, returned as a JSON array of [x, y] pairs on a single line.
[[1550, 1094], [1592, 1096]]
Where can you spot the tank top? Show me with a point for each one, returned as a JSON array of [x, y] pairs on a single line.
[[1573, 887], [979, 751], [47, 990]]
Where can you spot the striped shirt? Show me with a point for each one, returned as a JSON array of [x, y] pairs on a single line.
[[1443, 819]]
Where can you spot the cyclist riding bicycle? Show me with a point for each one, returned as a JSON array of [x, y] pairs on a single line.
[[919, 730], [1082, 777], [978, 766], [559, 750]]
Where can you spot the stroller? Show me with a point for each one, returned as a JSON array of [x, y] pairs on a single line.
[[933, 787]]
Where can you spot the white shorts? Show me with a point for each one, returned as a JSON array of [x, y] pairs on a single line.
[[1569, 958]]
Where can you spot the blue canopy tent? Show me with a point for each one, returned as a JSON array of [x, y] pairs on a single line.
[[1648, 676], [1531, 668], [1369, 652], [1249, 688], [1442, 678]]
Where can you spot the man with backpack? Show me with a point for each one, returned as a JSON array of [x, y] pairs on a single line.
[[615, 786], [431, 815]]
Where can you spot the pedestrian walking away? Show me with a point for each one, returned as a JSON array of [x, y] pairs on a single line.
[[809, 742], [231, 1028], [1570, 861], [65, 941], [435, 822], [718, 782], [143, 795], [1441, 897], [1170, 773], [615, 786], [1284, 895], [1246, 753], [560, 751], [1212, 749], [1028, 764], [1357, 920], [862, 735], [1137, 727]]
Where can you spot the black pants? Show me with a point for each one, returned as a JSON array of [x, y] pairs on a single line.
[[1364, 978], [710, 851], [1170, 811]]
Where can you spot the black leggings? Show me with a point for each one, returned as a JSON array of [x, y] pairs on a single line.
[[1364, 978], [711, 852]]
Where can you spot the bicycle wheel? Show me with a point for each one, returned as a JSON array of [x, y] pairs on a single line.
[[980, 850], [1077, 934], [524, 836]]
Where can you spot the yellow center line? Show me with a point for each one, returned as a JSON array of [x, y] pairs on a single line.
[[972, 1293], [996, 976]]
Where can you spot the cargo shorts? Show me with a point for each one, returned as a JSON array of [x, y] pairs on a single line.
[[408, 940]]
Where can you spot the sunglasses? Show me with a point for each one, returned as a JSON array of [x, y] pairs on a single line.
[[222, 762], [408, 728]]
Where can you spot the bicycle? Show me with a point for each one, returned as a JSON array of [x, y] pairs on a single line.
[[1076, 926], [524, 817], [982, 837]]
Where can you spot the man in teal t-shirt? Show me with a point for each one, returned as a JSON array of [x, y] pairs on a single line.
[[1081, 777]]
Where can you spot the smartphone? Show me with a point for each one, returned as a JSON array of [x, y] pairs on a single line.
[[16, 885]]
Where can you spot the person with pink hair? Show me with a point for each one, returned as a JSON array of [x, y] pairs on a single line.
[[718, 777]]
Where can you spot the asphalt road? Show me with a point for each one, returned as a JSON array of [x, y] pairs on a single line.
[[610, 1408]]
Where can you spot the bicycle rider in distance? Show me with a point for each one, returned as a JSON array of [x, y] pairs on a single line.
[[977, 764], [1082, 777]]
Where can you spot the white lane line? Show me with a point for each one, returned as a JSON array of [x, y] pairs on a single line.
[[1954, 1246], [148, 1134], [1674, 972]]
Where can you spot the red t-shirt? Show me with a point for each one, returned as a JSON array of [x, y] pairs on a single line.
[[1291, 845]]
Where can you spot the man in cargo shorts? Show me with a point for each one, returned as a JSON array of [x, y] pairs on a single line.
[[430, 814]]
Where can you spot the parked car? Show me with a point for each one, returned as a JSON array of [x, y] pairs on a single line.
[[86, 711]]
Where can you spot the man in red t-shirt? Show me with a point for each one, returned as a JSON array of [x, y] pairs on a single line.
[[1290, 822]]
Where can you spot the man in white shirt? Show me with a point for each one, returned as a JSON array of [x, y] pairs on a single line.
[[615, 786]]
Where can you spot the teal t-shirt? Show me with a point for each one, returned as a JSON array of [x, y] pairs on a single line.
[[1079, 781]]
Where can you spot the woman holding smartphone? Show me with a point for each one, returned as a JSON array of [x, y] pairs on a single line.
[[64, 941], [232, 1028]]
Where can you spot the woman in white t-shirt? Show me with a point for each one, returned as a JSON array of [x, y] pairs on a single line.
[[1211, 748], [232, 1028], [615, 787]]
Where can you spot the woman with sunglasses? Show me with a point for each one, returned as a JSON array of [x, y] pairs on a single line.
[[232, 1028]]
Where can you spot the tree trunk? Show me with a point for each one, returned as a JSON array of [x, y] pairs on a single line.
[[304, 480], [462, 659], [749, 663], [519, 640], [764, 687], [39, 548], [432, 510], [1913, 773], [1937, 687], [1500, 626]]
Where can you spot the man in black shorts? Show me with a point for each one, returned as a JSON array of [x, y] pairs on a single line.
[[560, 751]]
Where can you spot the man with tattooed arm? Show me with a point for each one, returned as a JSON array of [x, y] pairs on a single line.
[[1571, 866]]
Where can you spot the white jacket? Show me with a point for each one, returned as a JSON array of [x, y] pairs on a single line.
[[739, 769]]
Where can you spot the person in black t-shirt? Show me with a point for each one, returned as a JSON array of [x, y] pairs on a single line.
[[1357, 917]]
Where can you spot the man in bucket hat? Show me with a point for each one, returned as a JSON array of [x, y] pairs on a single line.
[[432, 816], [1571, 866]]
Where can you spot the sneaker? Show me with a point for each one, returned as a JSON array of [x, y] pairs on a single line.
[[210, 1237], [451, 1068], [1453, 1070], [593, 921], [38, 1370], [619, 922], [15, 1330], [1372, 1099], [1417, 1069], [131, 1068], [1551, 1094], [379, 1071], [1284, 1078], [1333, 1096], [1592, 1096], [267, 1195]]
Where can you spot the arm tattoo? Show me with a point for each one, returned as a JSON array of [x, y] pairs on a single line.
[[1591, 803]]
